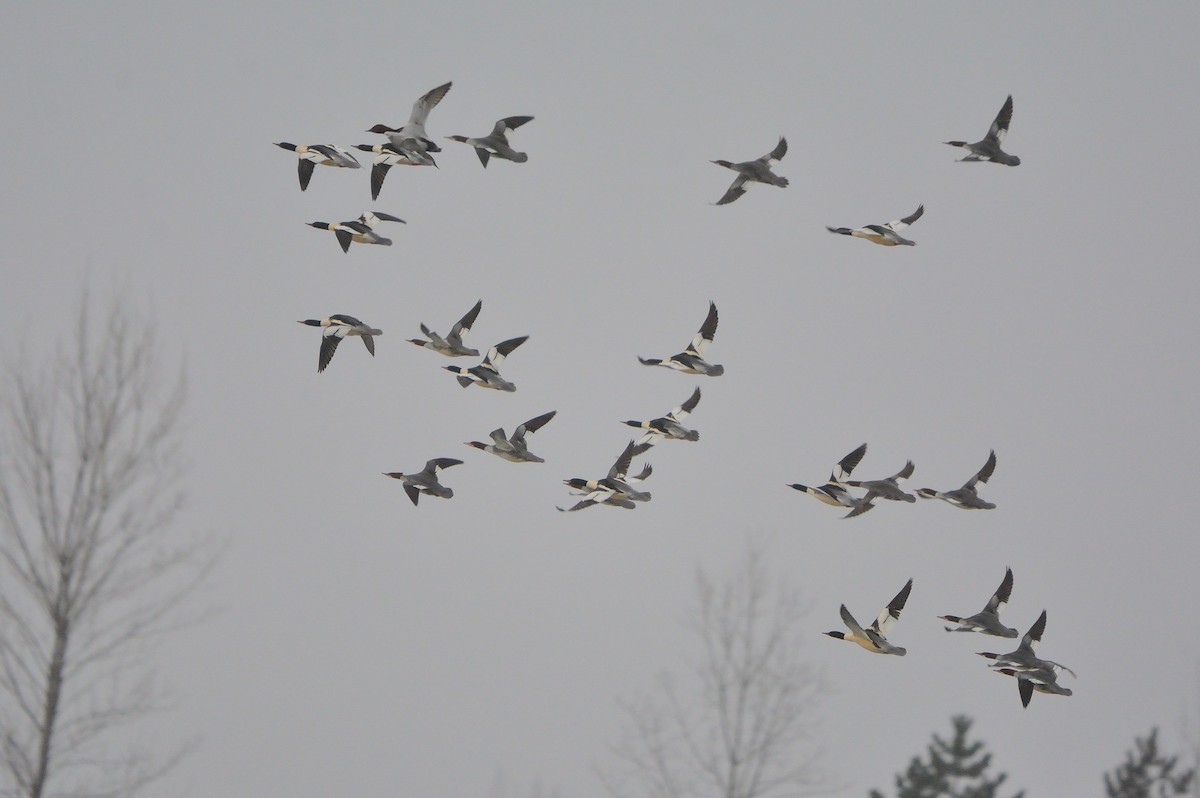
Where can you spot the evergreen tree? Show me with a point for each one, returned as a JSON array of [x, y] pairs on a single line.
[[955, 769], [1147, 773]]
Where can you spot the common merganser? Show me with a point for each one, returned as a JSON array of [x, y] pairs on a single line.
[[756, 171], [451, 345], [1023, 658], [426, 481], [888, 488], [337, 327], [495, 144], [668, 427], [988, 148], [388, 155], [486, 374], [835, 494], [360, 230], [615, 488], [1041, 680], [987, 620], [966, 497], [412, 136], [874, 637], [313, 155], [691, 360], [887, 235], [514, 449]]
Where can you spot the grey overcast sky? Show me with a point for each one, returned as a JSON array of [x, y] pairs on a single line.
[[367, 647]]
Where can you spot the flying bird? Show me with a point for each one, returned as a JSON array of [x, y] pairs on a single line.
[[514, 449], [1041, 680], [426, 480], [987, 620], [337, 327], [833, 492], [388, 155], [668, 427], [988, 148], [360, 230], [874, 637], [487, 374], [411, 136], [615, 489], [888, 488], [966, 497], [452, 345], [887, 235], [1023, 657], [756, 171], [313, 155], [495, 144], [691, 360]]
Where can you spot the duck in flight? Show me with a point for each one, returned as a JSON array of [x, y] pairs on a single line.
[[887, 235], [617, 489], [411, 136], [691, 360], [756, 171], [452, 345], [987, 620], [888, 488], [874, 637], [495, 144], [1041, 680], [514, 449], [668, 427], [388, 155], [966, 497], [337, 327], [988, 148], [487, 374], [313, 155], [426, 480], [833, 492], [360, 230], [1023, 657]]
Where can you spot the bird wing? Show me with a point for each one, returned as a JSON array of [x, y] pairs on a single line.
[[439, 463], [426, 103], [1000, 126], [378, 172], [736, 189], [776, 155], [467, 321], [336, 154], [532, 425], [499, 437], [508, 124], [1034, 635], [329, 345], [845, 466], [903, 473], [685, 409], [621, 467], [1025, 688], [1000, 597], [891, 613], [305, 169], [495, 355], [369, 343], [579, 505], [863, 505], [413, 492], [897, 225], [852, 624], [708, 331], [984, 474]]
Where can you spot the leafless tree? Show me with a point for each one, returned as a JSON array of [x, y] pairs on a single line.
[[92, 567], [741, 725]]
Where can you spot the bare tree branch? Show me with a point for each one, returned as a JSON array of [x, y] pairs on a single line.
[[92, 566]]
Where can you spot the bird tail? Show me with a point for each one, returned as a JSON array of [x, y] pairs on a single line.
[[692, 435]]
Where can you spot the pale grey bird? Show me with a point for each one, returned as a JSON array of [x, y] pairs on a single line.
[[514, 449], [691, 360], [756, 171], [966, 497], [1041, 680], [411, 136], [988, 148], [874, 637], [887, 235], [888, 488], [337, 327], [426, 480], [314, 155], [835, 494], [1023, 657], [452, 345], [360, 230], [495, 144], [487, 374], [987, 620]]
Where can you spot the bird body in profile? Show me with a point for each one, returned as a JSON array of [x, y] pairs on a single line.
[[337, 327], [313, 155], [833, 492], [617, 489], [426, 480], [756, 171], [966, 497], [1023, 657], [388, 155], [874, 637], [691, 360], [452, 345], [668, 427], [411, 136], [987, 620], [360, 230], [888, 488], [515, 449], [887, 235], [495, 144], [1040, 680], [988, 148], [487, 374]]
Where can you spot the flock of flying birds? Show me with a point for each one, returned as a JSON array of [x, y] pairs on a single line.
[[410, 145]]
